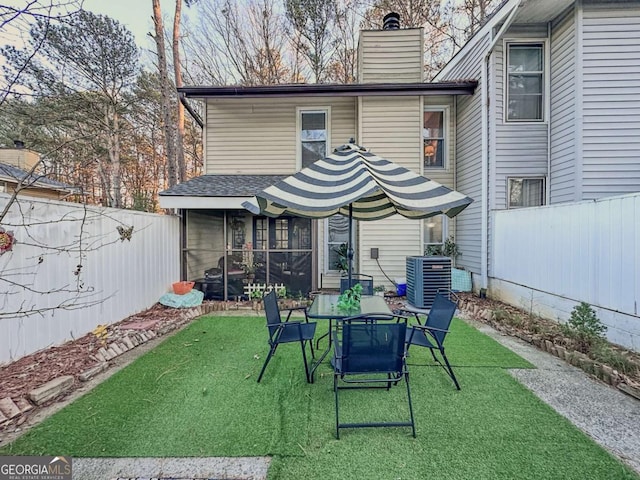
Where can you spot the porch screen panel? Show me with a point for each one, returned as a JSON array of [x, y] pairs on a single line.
[[205, 243]]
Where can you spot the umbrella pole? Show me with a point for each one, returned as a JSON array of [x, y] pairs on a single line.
[[350, 248]]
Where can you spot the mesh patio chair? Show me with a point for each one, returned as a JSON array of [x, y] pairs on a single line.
[[365, 280], [434, 331], [370, 354], [286, 332]]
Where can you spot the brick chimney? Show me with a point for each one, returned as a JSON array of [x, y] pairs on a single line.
[[391, 55]]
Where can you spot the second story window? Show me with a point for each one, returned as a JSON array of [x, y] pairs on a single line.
[[433, 138], [525, 82], [314, 137]]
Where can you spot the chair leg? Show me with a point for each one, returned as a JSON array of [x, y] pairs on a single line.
[[413, 423], [451, 374], [435, 359], [272, 350], [335, 391], [313, 354], [304, 359]]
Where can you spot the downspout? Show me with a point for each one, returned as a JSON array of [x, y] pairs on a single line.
[[484, 240], [192, 112], [547, 106]]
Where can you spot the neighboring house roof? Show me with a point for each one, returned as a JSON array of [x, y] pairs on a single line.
[[451, 87], [217, 191], [10, 173]]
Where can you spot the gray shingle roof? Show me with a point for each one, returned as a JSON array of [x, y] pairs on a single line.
[[223, 186], [11, 172]]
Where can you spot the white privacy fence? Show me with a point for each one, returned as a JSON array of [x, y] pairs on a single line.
[[549, 258], [74, 267]]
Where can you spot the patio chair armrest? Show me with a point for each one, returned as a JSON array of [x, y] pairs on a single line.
[[430, 330], [407, 313], [293, 309]]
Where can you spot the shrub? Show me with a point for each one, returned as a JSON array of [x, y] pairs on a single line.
[[585, 327]]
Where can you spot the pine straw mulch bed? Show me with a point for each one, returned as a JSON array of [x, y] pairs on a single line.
[[533, 329]]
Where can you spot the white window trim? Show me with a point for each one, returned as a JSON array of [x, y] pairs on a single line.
[[330, 269], [316, 109], [527, 177], [446, 109], [445, 232], [546, 88]]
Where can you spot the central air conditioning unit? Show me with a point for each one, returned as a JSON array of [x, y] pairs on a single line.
[[425, 276]]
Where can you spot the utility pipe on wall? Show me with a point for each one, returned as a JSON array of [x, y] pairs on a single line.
[[484, 241]]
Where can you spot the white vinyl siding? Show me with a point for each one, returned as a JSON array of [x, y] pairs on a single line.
[[562, 184], [390, 56], [611, 92], [391, 127], [258, 135], [468, 157]]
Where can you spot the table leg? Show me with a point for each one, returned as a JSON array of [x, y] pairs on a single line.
[[317, 363]]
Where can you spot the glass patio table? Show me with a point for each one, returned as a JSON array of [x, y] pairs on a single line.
[[325, 307]]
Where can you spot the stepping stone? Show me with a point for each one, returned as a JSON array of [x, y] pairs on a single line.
[[50, 389], [24, 405], [8, 408], [140, 325], [92, 372]]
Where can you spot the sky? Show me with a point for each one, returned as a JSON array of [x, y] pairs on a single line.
[[136, 15]]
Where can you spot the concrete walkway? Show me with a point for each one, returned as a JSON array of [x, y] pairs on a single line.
[[607, 415]]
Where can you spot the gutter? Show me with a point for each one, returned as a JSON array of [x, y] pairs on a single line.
[[464, 87], [484, 241], [192, 112]]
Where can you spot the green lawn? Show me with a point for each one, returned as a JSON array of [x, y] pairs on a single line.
[[196, 395]]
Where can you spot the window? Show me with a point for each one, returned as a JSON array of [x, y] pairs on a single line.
[[525, 192], [3, 187], [434, 231], [337, 234], [260, 232], [433, 137], [525, 82], [314, 138], [282, 233]]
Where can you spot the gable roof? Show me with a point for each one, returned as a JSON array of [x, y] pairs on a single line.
[[12, 173]]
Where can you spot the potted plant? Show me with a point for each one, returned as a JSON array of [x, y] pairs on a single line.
[[448, 249], [349, 300], [342, 263], [248, 264], [256, 298], [379, 290]]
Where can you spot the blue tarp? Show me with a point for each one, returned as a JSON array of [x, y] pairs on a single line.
[[191, 299]]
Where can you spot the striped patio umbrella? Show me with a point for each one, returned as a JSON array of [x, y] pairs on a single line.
[[356, 183]]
